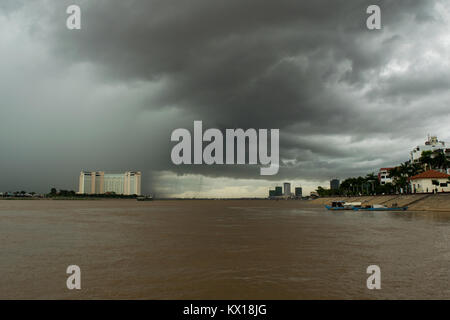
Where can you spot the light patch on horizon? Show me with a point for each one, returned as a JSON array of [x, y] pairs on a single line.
[[172, 185]]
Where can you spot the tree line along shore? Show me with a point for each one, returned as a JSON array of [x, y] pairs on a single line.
[[55, 194], [400, 176]]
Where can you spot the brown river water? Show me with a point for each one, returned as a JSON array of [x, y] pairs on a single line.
[[234, 249]]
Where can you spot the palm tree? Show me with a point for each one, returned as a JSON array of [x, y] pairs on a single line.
[[399, 176], [360, 183], [346, 186], [404, 168], [372, 179], [351, 182], [416, 168], [394, 173], [439, 160], [407, 170], [426, 159]]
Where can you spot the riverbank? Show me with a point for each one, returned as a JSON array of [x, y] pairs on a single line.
[[418, 202], [67, 198], [425, 202]]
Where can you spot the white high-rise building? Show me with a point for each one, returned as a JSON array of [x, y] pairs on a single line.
[[432, 144], [99, 182]]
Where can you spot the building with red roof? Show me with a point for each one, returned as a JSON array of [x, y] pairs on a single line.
[[430, 181]]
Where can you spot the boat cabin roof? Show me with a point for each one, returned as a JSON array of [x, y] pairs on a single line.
[[353, 203]]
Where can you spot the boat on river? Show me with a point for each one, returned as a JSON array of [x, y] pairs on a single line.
[[144, 198], [342, 205], [379, 207]]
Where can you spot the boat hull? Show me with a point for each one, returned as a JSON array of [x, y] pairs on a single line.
[[338, 208], [382, 209], [144, 199]]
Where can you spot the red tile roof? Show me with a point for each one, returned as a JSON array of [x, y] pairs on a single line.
[[430, 174], [386, 169]]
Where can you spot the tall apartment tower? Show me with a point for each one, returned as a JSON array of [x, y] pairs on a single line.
[[334, 184], [99, 182], [287, 189]]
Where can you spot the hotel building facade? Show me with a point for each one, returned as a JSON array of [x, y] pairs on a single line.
[[432, 144], [384, 177], [99, 182]]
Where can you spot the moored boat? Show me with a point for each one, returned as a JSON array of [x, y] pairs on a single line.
[[144, 198], [342, 205], [379, 207]]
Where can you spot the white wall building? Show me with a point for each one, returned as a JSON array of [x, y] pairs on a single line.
[[99, 182], [423, 182], [432, 144], [383, 176], [287, 189]]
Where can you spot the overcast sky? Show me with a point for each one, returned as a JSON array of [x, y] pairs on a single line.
[[347, 100]]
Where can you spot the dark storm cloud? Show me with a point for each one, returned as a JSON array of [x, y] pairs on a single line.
[[238, 63], [343, 97]]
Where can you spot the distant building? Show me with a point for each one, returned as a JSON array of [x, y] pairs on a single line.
[[432, 144], [278, 191], [298, 192], [383, 176], [430, 181], [287, 189], [334, 184], [99, 182]]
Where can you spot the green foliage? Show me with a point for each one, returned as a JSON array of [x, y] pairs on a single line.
[[400, 176], [369, 185], [327, 192], [70, 194], [434, 160]]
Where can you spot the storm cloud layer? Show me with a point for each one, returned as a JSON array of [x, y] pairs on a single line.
[[346, 99]]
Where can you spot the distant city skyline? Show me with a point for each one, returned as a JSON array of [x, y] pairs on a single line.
[[347, 100]]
